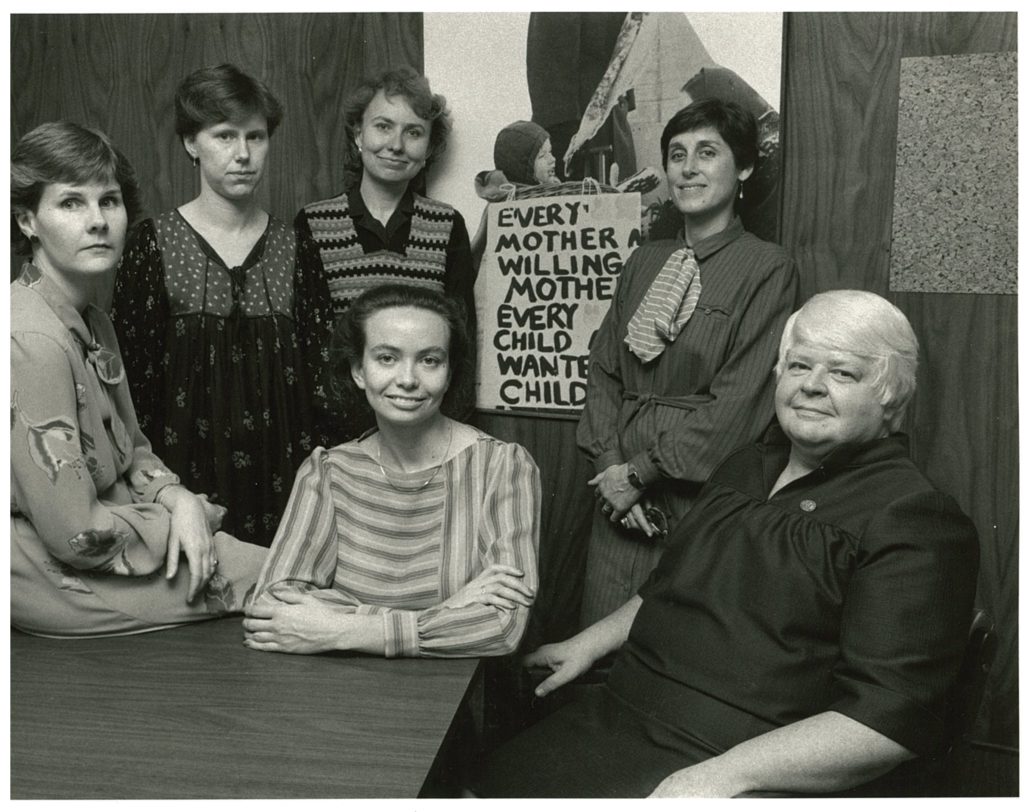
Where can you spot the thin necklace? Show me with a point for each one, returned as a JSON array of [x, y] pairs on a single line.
[[380, 464]]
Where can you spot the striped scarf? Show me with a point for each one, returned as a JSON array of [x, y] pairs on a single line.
[[666, 307]]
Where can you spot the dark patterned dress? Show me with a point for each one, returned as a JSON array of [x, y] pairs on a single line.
[[227, 366]]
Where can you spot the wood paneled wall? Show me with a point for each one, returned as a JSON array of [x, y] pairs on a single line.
[[840, 105], [118, 72]]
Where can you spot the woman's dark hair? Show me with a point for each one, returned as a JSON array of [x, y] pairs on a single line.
[[734, 123], [415, 89], [65, 152], [222, 93], [350, 342]]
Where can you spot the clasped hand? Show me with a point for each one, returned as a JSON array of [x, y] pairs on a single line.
[[499, 585], [620, 500], [295, 624], [613, 486]]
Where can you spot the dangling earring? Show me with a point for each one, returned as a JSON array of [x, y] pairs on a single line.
[[741, 190], [195, 163]]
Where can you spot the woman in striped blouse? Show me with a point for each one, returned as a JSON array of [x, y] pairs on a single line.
[[418, 539]]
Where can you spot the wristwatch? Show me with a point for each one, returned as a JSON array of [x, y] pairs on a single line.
[[634, 477]]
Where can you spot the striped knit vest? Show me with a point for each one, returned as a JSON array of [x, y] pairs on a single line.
[[350, 271]]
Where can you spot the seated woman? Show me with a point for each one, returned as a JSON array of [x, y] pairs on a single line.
[[809, 616], [95, 515], [419, 539]]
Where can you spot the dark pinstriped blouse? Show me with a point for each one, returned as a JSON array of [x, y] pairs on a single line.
[[711, 390]]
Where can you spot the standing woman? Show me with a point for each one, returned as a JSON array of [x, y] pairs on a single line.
[[104, 538], [380, 229], [225, 315], [680, 369]]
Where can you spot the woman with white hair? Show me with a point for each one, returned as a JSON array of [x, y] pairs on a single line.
[[806, 623]]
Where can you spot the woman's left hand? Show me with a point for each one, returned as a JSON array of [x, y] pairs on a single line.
[[612, 485], [190, 534], [293, 624]]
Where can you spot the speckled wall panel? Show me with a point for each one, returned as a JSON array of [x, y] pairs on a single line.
[[954, 224]]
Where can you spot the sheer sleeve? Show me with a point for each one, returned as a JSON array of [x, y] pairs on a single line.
[[314, 326], [55, 467], [141, 312], [460, 273]]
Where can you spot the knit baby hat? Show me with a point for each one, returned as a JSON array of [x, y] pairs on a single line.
[[516, 148]]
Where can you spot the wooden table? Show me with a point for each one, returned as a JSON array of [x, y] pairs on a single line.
[[191, 713]]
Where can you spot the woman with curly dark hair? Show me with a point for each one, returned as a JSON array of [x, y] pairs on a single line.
[[381, 229]]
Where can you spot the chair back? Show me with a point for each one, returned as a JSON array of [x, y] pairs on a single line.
[[965, 697]]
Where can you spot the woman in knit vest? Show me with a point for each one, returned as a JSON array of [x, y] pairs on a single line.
[[380, 229]]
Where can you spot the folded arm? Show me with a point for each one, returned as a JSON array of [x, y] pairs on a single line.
[[297, 609]]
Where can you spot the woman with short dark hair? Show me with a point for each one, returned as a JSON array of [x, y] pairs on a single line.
[[381, 229], [679, 370], [419, 539], [95, 514], [224, 315]]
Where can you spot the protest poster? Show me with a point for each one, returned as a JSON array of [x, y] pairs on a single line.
[[547, 277]]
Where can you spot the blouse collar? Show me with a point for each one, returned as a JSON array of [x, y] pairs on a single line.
[[357, 206], [849, 455], [702, 249], [105, 360]]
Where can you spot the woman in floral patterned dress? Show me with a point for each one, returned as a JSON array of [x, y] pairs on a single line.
[[224, 316], [104, 538]]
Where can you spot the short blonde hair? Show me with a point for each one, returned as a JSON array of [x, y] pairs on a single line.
[[867, 325]]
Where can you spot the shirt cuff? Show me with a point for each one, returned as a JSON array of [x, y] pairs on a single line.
[[607, 459], [155, 480], [645, 467], [893, 715], [401, 634]]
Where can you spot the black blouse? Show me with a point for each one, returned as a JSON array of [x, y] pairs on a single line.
[[850, 590]]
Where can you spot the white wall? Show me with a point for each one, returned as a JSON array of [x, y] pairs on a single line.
[[748, 43], [478, 62]]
